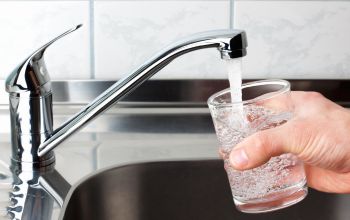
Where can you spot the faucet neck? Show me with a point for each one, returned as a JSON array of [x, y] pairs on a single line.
[[230, 43], [31, 99]]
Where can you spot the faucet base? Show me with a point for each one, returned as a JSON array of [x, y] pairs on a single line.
[[39, 164]]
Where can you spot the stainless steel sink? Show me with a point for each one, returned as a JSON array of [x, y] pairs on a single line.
[[181, 190]]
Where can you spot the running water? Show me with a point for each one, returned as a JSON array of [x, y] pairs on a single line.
[[278, 183], [234, 69], [235, 124]]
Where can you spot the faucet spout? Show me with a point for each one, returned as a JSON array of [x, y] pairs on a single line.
[[230, 43]]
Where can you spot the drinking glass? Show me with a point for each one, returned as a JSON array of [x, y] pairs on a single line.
[[265, 104]]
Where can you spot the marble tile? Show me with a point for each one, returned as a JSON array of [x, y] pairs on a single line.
[[129, 32], [295, 39], [27, 25]]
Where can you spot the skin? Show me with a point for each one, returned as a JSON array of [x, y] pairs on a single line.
[[319, 134]]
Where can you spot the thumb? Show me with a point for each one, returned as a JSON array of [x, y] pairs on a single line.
[[258, 148]]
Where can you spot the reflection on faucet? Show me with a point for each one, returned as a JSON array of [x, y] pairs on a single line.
[[29, 87], [5, 187], [34, 193]]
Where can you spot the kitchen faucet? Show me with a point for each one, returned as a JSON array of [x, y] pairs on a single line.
[[30, 95]]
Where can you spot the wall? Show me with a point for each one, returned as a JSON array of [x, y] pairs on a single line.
[[296, 39], [287, 39]]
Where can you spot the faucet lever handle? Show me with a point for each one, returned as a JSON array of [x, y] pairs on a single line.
[[31, 75]]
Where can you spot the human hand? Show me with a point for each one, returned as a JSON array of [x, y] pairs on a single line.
[[319, 134]]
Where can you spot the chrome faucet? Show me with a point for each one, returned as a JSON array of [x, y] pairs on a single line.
[[29, 88]]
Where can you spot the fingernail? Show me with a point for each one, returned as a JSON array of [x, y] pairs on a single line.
[[239, 158]]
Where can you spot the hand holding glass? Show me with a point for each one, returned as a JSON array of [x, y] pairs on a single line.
[[265, 104]]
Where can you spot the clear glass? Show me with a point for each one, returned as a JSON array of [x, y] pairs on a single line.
[[265, 104]]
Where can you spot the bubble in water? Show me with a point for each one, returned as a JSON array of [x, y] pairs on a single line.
[[261, 181], [277, 174]]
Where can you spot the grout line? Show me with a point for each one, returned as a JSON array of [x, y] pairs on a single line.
[[231, 17], [92, 38]]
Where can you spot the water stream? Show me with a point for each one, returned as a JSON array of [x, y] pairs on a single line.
[[234, 69]]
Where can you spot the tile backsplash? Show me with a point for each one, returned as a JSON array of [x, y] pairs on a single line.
[[287, 39], [296, 39], [27, 25], [127, 33]]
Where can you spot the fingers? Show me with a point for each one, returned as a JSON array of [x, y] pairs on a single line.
[[291, 137], [258, 148], [280, 103], [308, 135], [287, 101], [327, 180]]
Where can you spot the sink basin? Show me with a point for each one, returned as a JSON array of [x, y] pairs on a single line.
[[181, 190]]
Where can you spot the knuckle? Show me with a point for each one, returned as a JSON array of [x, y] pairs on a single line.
[[299, 136], [342, 168], [341, 161], [262, 143], [259, 139], [308, 96], [314, 95], [296, 128]]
